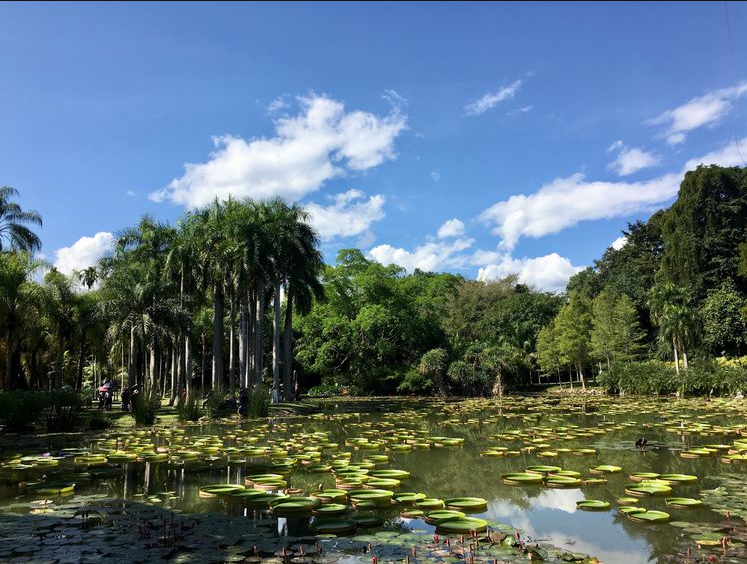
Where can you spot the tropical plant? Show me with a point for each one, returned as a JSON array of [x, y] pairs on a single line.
[[14, 235]]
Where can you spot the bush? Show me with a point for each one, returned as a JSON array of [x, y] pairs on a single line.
[[98, 421], [64, 410], [416, 383], [145, 406], [189, 410], [212, 403], [19, 410], [645, 378], [259, 402]]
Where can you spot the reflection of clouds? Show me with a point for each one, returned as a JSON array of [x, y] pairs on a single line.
[[595, 534], [563, 500]]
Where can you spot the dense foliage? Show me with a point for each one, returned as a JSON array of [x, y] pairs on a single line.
[[236, 295]]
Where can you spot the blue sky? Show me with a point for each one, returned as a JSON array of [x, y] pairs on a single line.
[[476, 138]]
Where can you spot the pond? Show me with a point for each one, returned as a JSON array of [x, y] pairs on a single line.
[[544, 477]]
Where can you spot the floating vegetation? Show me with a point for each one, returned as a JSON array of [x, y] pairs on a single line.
[[336, 478]]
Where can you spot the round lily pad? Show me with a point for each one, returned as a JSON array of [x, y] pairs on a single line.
[[593, 505], [462, 525]]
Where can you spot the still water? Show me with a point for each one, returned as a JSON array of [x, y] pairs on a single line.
[[523, 431]]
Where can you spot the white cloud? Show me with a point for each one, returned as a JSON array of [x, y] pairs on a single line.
[[549, 273], [566, 201], [85, 252], [431, 257], [131, 194], [322, 142], [350, 214], [435, 175], [451, 228], [491, 99], [630, 160], [277, 104], [702, 111], [394, 98], [619, 243], [733, 153]]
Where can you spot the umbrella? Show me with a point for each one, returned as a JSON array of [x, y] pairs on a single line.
[[104, 388]]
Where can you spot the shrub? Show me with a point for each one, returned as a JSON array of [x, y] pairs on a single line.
[[20, 410], [416, 383], [189, 410], [145, 406], [63, 411], [259, 402], [98, 421], [213, 402]]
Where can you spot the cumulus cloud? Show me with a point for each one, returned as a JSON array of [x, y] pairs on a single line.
[[451, 228], [430, 257], [85, 252], [277, 104], [731, 154], [630, 160], [491, 99], [564, 202], [549, 273], [323, 141], [350, 214], [701, 111], [619, 243]]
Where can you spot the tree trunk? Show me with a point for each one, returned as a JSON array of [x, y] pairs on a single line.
[[81, 362], [153, 371], [581, 376], [676, 356], [276, 345], [243, 343], [131, 377], [259, 321], [289, 383], [232, 346], [570, 376], [251, 377], [684, 357], [174, 376], [187, 374], [204, 362], [218, 337]]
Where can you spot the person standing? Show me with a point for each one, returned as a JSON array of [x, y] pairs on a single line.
[[126, 399]]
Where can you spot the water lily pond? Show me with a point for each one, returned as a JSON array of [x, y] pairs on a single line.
[[543, 478]]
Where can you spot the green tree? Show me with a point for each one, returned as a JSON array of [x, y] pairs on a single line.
[[724, 328], [604, 333], [573, 325], [14, 235], [629, 336], [433, 366], [549, 356], [671, 312]]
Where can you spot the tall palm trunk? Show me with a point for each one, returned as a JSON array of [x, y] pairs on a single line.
[[276, 344], [676, 356], [243, 340], [288, 347], [232, 345], [187, 373], [218, 336], [153, 377], [251, 376], [258, 325], [174, 389], [81, 362], [581, 376], [131, 367]]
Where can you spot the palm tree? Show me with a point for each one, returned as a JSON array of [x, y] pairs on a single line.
[[13, 234], [670, 311], [16, 298]]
